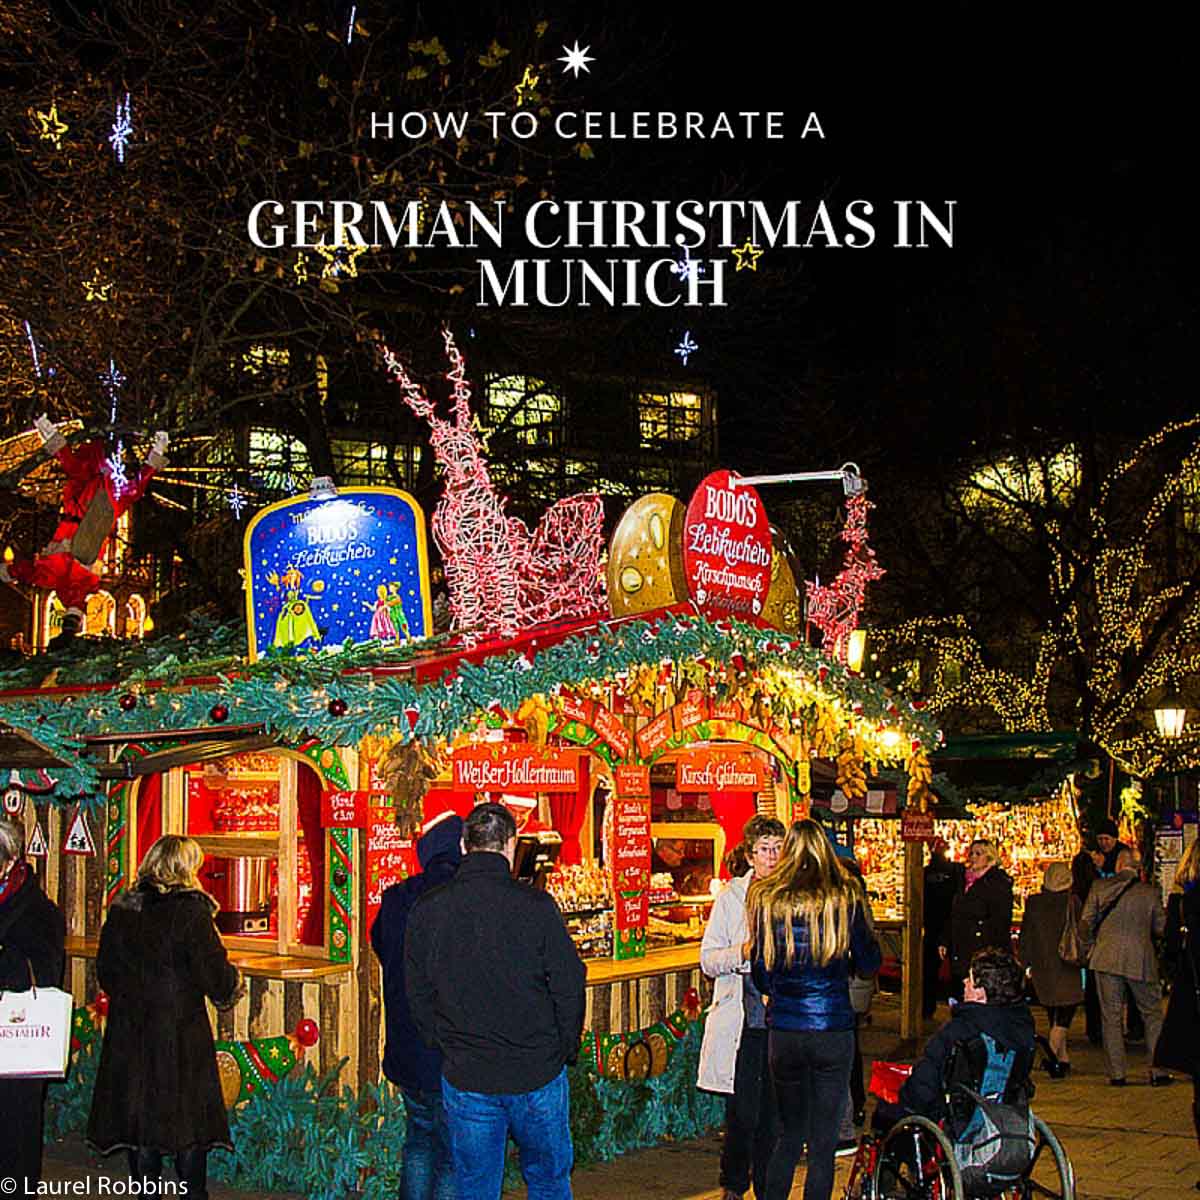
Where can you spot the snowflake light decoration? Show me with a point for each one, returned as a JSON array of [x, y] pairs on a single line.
[[33, 350], [122, 128], [115, 463], [112, 380], [237, 501], [686, 267], [687, 347]]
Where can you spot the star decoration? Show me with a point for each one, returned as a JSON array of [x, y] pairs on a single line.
[[97, 289], [339, 259], [576, 60], [528, 83], [300, 268], [237, 501], [50, 128], [748, 256], [686, 346], [122, 128]]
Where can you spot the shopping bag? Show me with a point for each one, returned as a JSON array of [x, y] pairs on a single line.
[[35, 1033], [1070, 949]]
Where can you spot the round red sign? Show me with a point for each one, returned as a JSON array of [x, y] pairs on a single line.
[[727, 548]]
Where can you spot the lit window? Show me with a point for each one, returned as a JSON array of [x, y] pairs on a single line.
[[669, 416], [281, 462], [523, 406]]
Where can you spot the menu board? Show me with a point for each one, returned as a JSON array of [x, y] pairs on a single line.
[[391, 858], [631, 874]]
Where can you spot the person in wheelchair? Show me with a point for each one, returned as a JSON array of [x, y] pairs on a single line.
[[986, 1047]]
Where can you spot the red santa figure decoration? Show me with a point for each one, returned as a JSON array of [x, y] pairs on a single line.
[[92, 502]]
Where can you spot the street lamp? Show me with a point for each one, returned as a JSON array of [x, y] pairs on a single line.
[[1170, 716]]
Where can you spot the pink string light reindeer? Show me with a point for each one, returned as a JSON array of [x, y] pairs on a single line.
[[500, 577], [833, 608]]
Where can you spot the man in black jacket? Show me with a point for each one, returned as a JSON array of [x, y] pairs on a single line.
[[427, 1172], [494, 981]]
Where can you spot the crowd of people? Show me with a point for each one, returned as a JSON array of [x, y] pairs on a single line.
[[484, 1000]]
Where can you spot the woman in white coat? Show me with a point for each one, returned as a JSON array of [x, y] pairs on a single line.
[[733, 1056]]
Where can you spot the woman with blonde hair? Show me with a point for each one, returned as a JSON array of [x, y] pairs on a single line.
[[810, 933], [981, 914], [157, 1090], [1178, 1046]]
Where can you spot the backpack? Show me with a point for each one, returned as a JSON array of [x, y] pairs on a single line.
[[991, 1123]]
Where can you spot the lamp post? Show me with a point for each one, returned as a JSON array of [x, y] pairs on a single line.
[[1169, 719]]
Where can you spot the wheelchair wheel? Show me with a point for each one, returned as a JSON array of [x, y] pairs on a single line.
[[916, 1162], [1051, 1175]]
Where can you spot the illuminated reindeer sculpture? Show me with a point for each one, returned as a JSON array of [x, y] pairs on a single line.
[[501, 577]]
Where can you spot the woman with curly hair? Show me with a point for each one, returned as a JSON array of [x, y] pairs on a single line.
[[810, 932]]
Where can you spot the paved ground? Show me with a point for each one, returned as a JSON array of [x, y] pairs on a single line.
[[1132, 1143]]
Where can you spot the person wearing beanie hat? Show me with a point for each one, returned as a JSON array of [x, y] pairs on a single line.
[[1057, 983], [1107, 835], [427, 1170]]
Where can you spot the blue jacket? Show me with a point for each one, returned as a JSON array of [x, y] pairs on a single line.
[[805, 996], [407, 1061]]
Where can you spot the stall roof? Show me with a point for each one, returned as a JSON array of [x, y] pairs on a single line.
[[19, 751], [1061, 747], [1010, 768]]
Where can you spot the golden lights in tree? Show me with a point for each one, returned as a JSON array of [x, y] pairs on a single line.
[[49, 127]]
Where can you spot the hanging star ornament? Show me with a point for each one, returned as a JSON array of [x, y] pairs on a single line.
[[97, 289], [340, 259], [576, 60], [50, 128], [686, 347], [748, 256], [525, 87]]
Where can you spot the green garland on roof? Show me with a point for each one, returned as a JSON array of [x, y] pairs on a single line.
[[291, 696]]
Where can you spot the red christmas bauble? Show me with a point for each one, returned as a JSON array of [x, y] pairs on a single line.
[[307, 1032], [127, 702], [100, 1004], [691, 1002], [219, 713], [337, 707]]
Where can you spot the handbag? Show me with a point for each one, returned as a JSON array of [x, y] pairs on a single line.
[[35, 1032], [1070, 947]]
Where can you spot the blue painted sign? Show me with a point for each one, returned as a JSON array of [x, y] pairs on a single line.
[[351, 566]]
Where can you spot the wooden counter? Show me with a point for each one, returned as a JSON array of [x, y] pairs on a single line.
[[251, 963], [657, 962]]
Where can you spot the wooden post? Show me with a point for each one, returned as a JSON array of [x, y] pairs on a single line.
[[911, 982]]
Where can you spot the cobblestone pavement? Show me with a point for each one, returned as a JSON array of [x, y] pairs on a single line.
[[1132, 1143]]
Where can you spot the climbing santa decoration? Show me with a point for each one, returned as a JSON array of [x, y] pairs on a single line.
[[96, 493], [501, 576]]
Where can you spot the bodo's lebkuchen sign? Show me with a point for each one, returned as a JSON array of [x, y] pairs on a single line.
[[727, 548], [348, 566]]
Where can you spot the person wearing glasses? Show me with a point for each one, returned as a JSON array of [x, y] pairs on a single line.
[[733, 1056], [981, 914]]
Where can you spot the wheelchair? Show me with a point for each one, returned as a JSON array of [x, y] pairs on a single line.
[[919, 1159]]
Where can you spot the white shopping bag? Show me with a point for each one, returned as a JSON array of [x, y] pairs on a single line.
[[35, 1033]]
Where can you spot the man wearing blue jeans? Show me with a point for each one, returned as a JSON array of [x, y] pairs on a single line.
[[494, 981], [427, 1171]]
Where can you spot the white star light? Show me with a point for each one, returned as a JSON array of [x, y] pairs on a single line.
[[686, 346], [576, 60], [237, 501]]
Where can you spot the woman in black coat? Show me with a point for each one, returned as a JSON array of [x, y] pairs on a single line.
[[1178, 1046], [982, 914], [157, 1089], [32, 931]]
